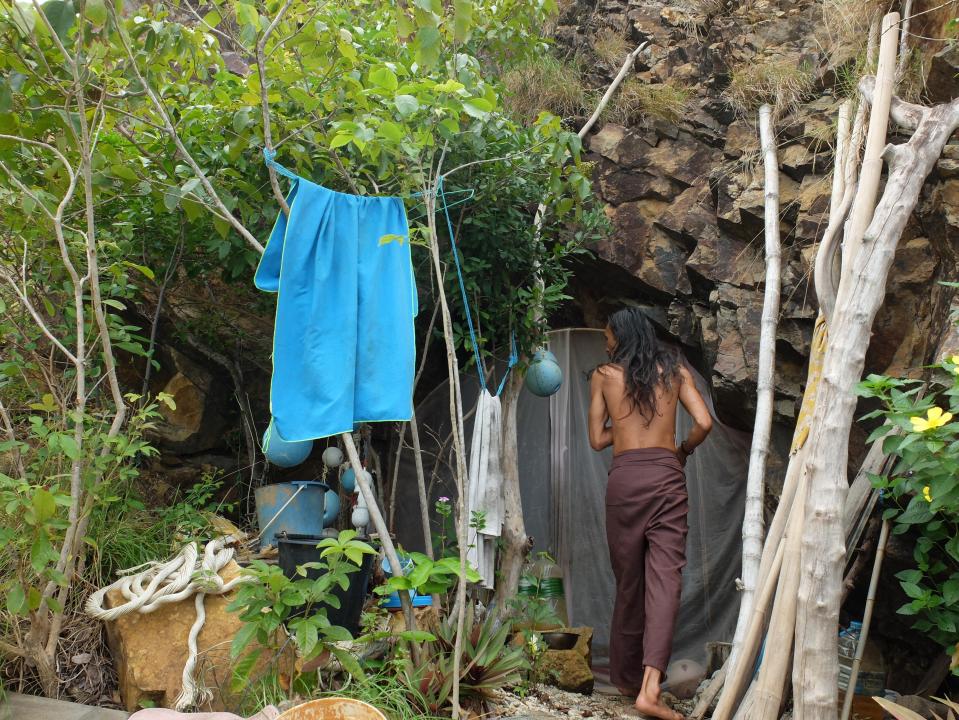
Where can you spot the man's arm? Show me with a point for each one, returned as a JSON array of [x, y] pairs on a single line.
[[695, 405], [600, 436]]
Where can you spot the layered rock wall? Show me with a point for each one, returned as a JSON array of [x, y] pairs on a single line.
[[685, 198]]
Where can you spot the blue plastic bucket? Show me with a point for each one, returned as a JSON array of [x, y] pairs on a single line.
[[303, 516], [392, 600]]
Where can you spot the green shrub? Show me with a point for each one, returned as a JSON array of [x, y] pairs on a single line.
[[922, 491]]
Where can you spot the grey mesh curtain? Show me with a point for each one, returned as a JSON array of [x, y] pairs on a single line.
[[563, 483]]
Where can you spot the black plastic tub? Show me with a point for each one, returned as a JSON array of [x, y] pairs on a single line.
[[298, 550]]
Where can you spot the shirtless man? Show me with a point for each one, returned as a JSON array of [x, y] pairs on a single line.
[[646, 500]]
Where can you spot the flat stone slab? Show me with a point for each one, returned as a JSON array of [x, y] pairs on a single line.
[[31, 707]]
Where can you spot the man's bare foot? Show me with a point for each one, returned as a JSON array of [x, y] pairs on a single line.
[[654, 708]]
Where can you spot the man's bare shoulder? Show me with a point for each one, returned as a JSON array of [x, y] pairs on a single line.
[[608, 375]]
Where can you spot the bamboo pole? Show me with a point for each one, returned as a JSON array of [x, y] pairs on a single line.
[[762, 427], [872, 164], [774, 671], [735, 683], [866, 619]]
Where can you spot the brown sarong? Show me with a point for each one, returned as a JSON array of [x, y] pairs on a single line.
[[646, 507]]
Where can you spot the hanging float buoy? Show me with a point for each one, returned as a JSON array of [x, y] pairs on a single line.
[[544, 375], [348, 480], [332, 457], [331, 507], [282, 452]]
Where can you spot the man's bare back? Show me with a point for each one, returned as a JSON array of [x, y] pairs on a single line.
[[630, 430]]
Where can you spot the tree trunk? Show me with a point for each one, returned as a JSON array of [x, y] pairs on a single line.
[[861, 291], [514, 529], [756, 478]]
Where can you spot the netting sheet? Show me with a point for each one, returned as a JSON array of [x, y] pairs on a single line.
[[563, 483]]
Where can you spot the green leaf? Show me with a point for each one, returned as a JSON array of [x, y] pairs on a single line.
[[349, 663], [96, 11], [247, 15], [171, 198], [242, 639], [347, 50], [147, 272], [335, 633], [392, 237], [404, 24], [24, 17], [41, 552], [124, 172], [912, 590], [952, 547], [17, 600], [69, 445], [917, 512], [449, 86], [477, 107], [340, 141], [306, 638], [242, 670], [44, 505], [427, 45], [462, 20], [61, 16], [417, 636], [419, 575], [406, 104], [391, 131], [384, 77]]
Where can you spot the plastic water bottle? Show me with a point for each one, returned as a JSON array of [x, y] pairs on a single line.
[[848, 642]]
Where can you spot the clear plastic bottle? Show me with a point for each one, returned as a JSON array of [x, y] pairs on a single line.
[[550, 578], [848, 642]]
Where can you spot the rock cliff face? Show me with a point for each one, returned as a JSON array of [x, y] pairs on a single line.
[[685, 198]]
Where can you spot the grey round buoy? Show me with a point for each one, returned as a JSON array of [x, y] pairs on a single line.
[[332, 457], [544, 375]]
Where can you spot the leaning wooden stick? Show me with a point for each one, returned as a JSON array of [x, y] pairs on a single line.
[[756, 477], [866, 620]]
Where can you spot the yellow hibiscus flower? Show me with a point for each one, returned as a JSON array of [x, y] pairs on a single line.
[[927, 494], [935, 418], [955, 361]]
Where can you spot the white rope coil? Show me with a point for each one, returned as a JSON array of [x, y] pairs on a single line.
[[150, 586]]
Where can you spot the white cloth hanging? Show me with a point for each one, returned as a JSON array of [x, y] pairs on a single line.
[[485, 493]]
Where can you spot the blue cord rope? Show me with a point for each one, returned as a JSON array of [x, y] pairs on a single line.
[[270, 157], [513, 357]]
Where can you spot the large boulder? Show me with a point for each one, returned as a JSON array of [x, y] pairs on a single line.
[[150, 650], [570, 669], [195, 420]]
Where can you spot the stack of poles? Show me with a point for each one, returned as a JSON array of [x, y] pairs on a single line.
[[769, 620]]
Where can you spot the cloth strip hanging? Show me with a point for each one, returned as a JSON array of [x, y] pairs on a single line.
[[485, 492]]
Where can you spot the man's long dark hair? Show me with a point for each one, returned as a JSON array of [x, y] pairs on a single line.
[[647, 364]]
